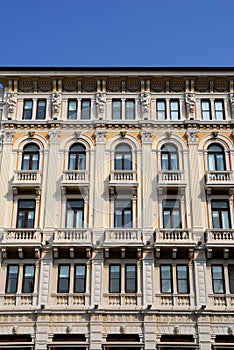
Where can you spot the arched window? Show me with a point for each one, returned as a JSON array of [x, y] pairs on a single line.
[[169, 157], [77, 157], [123, 157], [216, 158], [30, 160]]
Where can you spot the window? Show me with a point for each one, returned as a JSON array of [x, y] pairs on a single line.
[[182, 279], [77, 157], [219, 110], [123, 157], [63, 278], [75, 213], [217, 279], [12, 278], [72, 109], [174, 110], [205, 106], [216, 158], [171, 214], [231, 278], [220, 214], [26, 213], [130, 271], [41, 109], [30, 159], [27, 112], [123, 213], [85, 109], [166, 278], [169, 157], [117, 109], [80, 279], [161, 109], [130, 109], [28, 279]]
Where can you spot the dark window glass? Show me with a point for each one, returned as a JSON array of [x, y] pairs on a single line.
[[216, 158], [220, 214], [75, 213], [72, 109], [205, 106], [130, 279], [123, 213], [30, 159], [27, 112], [12, 278], [115, 279], [161, 109], [80, 279], [63, 278], [41, 109], [26, 213], [77, 157], [123, 157], [85, 109], [28, 279], [182, 279], [171, 214], [117, 109], [169, 157], [219, 110], [130, 109], [166, 278], [174, 110], [217, 278], [231, 278]]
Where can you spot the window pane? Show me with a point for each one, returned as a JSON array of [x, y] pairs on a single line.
[[165, 163], [116, 110], [35, 158], [26, 161], [161, 110], [80, 279], [231, 278], [28, 280], [63, 282], [211, 162], [174, 161], [130, 110], [130, 279], [182, 279], [12, 278], [166, 283], [72, 109], [41, 109], [75, 212], [27, 114], [115, 278], [217, 276], [85, 109]]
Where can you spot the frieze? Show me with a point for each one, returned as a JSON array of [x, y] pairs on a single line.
[[122, 318], [89, 85], [114, 85], [158, 85], [221, 85], [44, 85], [177, 85], [25, 85], [70, 85], [133, 85], [202, 85]]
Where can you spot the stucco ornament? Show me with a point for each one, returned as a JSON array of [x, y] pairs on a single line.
[[190, 104]]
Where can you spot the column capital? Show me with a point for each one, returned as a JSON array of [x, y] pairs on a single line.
[[7, 137], [54, 136], [192, 136], [100, 136], [146, 136]]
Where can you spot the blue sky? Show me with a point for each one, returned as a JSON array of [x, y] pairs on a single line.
[[117, 33]]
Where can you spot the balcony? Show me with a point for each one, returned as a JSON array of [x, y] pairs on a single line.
[[172, 237], [173, 300], [27, 179], [220, 237], [219, 179], [123, 179], [70, 299], [74, 178], [69, 236], [18, 300], [123, 236], [171, 179], [123, 299], [24, 236]]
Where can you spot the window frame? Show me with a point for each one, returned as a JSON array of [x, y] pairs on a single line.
[[173, 210], [78, 208], [205, 111], [83, 279], [117, 112], [130, 111], [172, 110], [163, 111], [26, 279], [77, 155], [186, 279], [123, 210], [41, 110], [8, 279], [170, 279], [124, 157], [72, 113], [85, 110], [27, 112], [169, 158], [61, 279], [218, 279], [26, 211], [217, 111], [32, 154], [220, 211], [213, 156], [112, 278], [127, 278]]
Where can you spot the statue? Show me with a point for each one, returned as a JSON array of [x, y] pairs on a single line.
[[145, 101], [101, 101], [11, 101], [56, 102], [190, 104]]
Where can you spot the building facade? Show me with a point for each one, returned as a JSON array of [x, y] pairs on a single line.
[[116, 220]]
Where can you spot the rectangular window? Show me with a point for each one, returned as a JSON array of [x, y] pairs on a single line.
[[130, 109], [28, 279], [161, 109], [166, 278], [123, 213], [75, 214], [130, 279], [72, 109], [41, 109], [116, 109], [115, 279], [80, 279], [174, 110], [85, 109], [63, 278], [220, 214], [26, 213], [27, 112], [182, 279], [171, 214], [231, 278], [12, 278], [205, 106], [219, 110], [217, 278]]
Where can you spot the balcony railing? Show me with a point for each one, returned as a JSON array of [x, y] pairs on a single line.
[[123, 177], [22, 235], [70, 299], [18, 300], [171, 236], [123, 235], [27, 177], [173, 300], [75, 177], [123, 299], [219, 178], [68, 235], [171, 178], [220, 236]]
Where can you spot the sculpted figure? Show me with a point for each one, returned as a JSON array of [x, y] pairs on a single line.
[[101, 101]]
